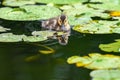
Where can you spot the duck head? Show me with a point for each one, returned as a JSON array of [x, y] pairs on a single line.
[[63, 23]]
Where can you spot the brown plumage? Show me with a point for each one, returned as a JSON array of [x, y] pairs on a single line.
[[59, 23]]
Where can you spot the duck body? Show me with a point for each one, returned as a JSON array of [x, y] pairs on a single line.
[[57, 24]]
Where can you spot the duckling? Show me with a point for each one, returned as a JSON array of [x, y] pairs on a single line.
[[57, 24]]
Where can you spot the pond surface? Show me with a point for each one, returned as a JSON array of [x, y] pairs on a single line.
[[16, 62]]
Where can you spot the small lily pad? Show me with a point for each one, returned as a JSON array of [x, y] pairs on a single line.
[[17, 2], [105, 75], [2, 29], [29, 12], [96, 61], [111, 47]]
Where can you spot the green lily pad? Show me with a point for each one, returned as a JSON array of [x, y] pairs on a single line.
[[99, 27], [111, 47], [96, 61], [60, 1], [45, 33], [106, 4], [105, 75], [2, 29], [77, 11], [37, 36], [30, 12], [9, 37], [17, 2]]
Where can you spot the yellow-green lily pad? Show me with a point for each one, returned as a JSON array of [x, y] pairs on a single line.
[[29, 12], [96, 61], [105, 75], [17, 2], [98, 27], [111, 47]]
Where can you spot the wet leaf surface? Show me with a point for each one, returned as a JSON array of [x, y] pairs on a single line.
[[60, 1], [96, 61], [17, 2], [111, 47], [105, 74], [29, 13]]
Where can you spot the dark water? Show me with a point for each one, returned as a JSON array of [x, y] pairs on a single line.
[[14, 66]]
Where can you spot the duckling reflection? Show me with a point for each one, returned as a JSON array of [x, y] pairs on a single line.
[[57, 24]]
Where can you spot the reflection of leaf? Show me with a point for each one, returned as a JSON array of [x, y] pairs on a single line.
[[32, 58], [111, 47], [48, 51], [30, 12], [17, 2], [60, 1], [96, 61], [105, 75]]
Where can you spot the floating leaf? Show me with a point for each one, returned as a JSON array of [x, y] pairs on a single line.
[[2, 29], [17, 2], [99, 27], [46, 33], [96, 61], [29, 12], [9, 37], [60, 1], [105, 75], [111, 47], [78, 11], [106, 4]]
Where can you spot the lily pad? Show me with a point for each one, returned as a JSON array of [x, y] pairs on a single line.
[[106, 4], [77, 11], [29, 12], [111, 47], [2, 29], [9, 37], [45, 33], [96, 61], [105, 75], [98, 27], [60, 1], [17, 2]]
